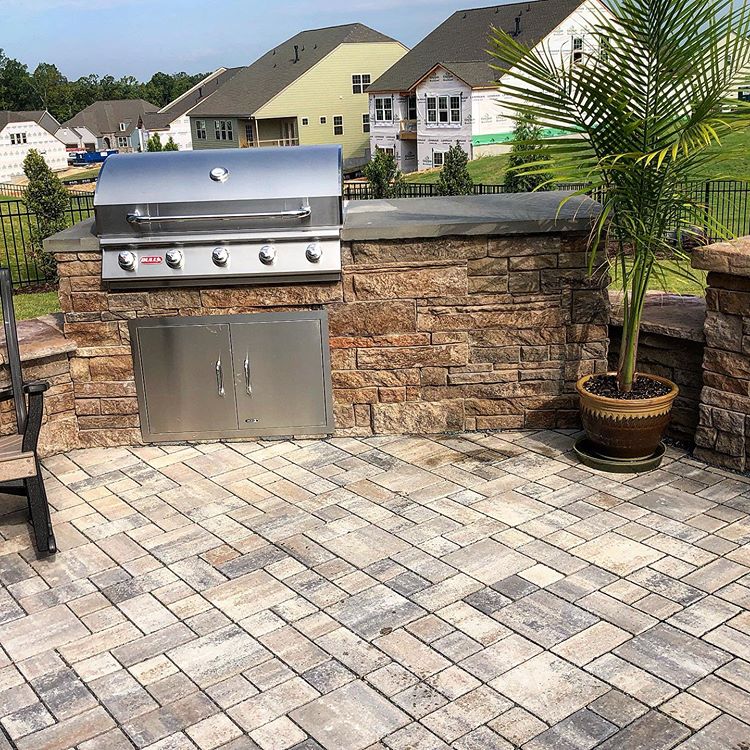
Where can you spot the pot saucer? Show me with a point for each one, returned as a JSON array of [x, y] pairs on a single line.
[[588, 456]]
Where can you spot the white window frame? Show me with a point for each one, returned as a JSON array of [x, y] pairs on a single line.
[[387, 149], [441, 154], [249, 133], [123, 127], [366, 122], [323, 119], [577, 45], [338, 124], [122, 141], [201, 133], [383, 106], [223, 130], [18, 139], [360, 81], [305, 121], [440, 110]]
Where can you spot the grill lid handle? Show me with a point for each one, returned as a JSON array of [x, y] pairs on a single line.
[[300, 213]]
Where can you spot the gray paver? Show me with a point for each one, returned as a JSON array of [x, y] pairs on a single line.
[[391, 593]]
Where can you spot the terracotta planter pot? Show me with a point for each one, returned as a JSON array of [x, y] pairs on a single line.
[[626, 428]]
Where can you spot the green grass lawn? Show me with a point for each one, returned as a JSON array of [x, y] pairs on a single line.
[[672, 276], [85, 174], [34, 304], [732, 162]]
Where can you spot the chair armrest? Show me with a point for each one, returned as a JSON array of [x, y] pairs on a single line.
[[36, 387]]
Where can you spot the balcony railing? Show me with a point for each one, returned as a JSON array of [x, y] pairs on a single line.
[[275, 142]]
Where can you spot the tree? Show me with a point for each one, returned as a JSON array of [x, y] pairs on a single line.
[[525, 172], [170, 145], [383, 174], [454, 177], [154, 143], [47, 198], [655, 90]]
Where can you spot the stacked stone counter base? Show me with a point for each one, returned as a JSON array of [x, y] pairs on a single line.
[[482, 320], [723, 434]]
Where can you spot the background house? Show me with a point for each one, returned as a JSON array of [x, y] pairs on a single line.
[[310, 89], [22, 131], [114, 123], [173, 121], [77, 139], [444, 90]]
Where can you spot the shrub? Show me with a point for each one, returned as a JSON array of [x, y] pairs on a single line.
[[170, 145], [454, 176], [154, 143], [46, 197], [526, 150], [383, 174]]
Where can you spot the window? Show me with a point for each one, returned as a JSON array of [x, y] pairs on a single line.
[[744, 95], [338, 125], [383, 109], [437, 158], [443, 110], [305, 121], [389, 151], [577, 49], [323, 120], [360, 81], [249, 135], [123, 127], [200, 130], [16, 139], [366, 123], [224, 131], [411, 107], [122, 141]]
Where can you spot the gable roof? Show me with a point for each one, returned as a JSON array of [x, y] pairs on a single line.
[[459, 44], [39, 116], [105, 117], [270, 74], [185, 102]]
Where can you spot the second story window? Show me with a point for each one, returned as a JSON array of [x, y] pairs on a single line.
[[360, 81], [443, 110], [366, 123], [223, 130], [338, 125], [383, 109], [123, 127], [323, 120], [16, 139], [200, 130], [411, 107], [305, 121], [577, 50]]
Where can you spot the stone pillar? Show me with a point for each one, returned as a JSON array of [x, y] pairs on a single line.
[[723, 434]]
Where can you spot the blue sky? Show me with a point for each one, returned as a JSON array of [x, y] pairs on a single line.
[[139, 37]]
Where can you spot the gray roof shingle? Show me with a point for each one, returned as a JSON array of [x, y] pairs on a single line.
[[270, 74], [460, 43], [105, 117], [40, 116]]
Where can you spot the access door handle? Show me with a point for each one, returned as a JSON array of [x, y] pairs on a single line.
[[248, 385], [219, 377]]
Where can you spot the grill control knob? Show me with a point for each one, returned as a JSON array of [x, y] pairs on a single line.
[[314, 252], [267, 254], [127, 260], [174, 258], [220, 256]]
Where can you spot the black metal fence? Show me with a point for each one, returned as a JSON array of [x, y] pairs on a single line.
[[728, 200], [16, 223]]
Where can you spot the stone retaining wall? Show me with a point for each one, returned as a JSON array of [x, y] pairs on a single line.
[[440, 335], [723, 434]]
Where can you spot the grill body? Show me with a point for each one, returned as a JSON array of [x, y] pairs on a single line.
[[220, 217]]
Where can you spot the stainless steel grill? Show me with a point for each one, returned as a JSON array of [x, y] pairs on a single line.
[[229, 216]]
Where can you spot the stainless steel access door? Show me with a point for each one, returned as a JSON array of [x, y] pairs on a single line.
[[186, 375], [282, 371]]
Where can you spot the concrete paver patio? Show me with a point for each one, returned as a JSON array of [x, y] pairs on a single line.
[[471, 591]]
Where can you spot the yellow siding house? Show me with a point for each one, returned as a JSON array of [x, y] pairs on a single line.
[[308, 90]]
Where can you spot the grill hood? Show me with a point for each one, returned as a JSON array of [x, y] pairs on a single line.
[[141, 198]]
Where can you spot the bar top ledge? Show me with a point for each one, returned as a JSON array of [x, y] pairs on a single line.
[[412, 218]]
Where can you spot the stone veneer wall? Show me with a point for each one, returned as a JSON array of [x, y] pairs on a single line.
[[427, 336], [723, 434]]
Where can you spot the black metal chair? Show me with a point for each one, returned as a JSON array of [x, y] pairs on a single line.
[[20, 470]]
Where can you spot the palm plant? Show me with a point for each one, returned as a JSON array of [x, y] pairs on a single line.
[[652, 93]]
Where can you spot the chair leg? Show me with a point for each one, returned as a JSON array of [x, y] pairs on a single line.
[[39, 511]]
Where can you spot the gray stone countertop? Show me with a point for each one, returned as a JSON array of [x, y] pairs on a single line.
[[503, 214], [410, 218]]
